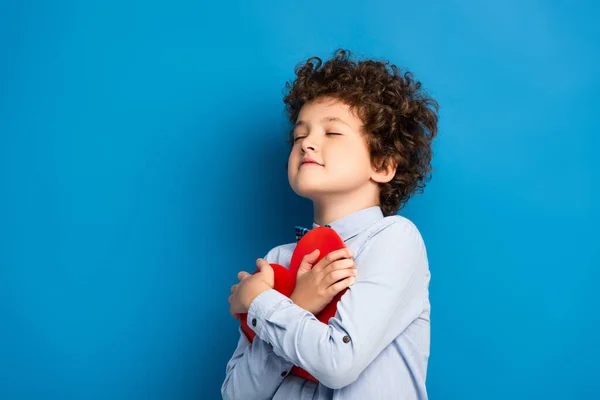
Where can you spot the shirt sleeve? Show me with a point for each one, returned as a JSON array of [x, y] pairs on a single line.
[[254, 371], [388, 295]]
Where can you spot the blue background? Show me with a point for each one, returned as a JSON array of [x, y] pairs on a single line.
[[142, 164]]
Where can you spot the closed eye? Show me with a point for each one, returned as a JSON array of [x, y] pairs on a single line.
[[327, 133]]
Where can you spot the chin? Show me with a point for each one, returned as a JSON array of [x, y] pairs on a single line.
[[314, 191], [306, 189]]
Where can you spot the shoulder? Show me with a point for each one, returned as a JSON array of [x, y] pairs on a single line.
[[394, 234], [395, 226]]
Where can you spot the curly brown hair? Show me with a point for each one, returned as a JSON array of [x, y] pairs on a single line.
[[399, 118]]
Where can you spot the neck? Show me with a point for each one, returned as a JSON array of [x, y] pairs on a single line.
[[331, 208]]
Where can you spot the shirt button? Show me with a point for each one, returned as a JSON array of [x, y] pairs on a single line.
[[346, 339], [253, 321], [284, 373]]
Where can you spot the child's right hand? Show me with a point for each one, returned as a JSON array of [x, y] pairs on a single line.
[[317, 284]]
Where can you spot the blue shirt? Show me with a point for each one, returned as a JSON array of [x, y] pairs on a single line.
[[376, 346]]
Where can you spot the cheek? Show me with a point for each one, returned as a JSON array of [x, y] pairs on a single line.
[[293, 157], [357, 159], [292, 160], [351, 152]]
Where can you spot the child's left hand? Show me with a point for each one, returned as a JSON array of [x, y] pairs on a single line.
[[250, 286]]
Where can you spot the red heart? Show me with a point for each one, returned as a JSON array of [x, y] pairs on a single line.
[[326, 240]]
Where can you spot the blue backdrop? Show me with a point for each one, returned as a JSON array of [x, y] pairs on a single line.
[[142, 164]]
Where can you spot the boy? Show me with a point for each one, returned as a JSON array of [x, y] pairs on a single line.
[[361, 146]]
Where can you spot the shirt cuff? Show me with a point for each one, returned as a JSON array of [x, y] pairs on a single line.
[[261, 307]]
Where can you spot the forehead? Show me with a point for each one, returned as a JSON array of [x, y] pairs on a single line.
[[328, 110]]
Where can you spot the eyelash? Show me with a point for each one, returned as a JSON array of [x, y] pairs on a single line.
[[327, 133]]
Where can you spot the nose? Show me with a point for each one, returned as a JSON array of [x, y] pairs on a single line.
[[309, 143]]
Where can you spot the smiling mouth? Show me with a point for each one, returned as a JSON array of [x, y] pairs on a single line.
[[310, 163]]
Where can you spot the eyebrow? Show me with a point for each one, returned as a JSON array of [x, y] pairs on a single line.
[[326, 119]]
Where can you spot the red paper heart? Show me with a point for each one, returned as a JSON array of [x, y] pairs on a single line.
[[322, 238]]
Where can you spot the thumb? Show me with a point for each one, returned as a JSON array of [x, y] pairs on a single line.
[[266, 270], [308, 261]]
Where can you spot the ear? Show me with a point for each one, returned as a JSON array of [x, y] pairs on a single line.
[[384, 171]]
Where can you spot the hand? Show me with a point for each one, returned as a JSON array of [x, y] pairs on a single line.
[[317, 285], [250, 286]]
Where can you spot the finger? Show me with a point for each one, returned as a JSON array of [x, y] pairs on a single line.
[[339, 275], [231, 309], [311, 257], [344, 263], [341, 285], [234, 288], [261, 262], [265, 269], [334, 256], [308, 261], [242, 275]]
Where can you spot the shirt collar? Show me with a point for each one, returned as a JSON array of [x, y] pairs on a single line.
[[351, 225]]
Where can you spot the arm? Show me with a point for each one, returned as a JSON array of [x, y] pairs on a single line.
[[254, 370], [388, 295]]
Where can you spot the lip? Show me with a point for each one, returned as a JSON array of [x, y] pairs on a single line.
[[310, 161]]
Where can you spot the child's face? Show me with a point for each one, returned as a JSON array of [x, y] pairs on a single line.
[[330, 134]]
